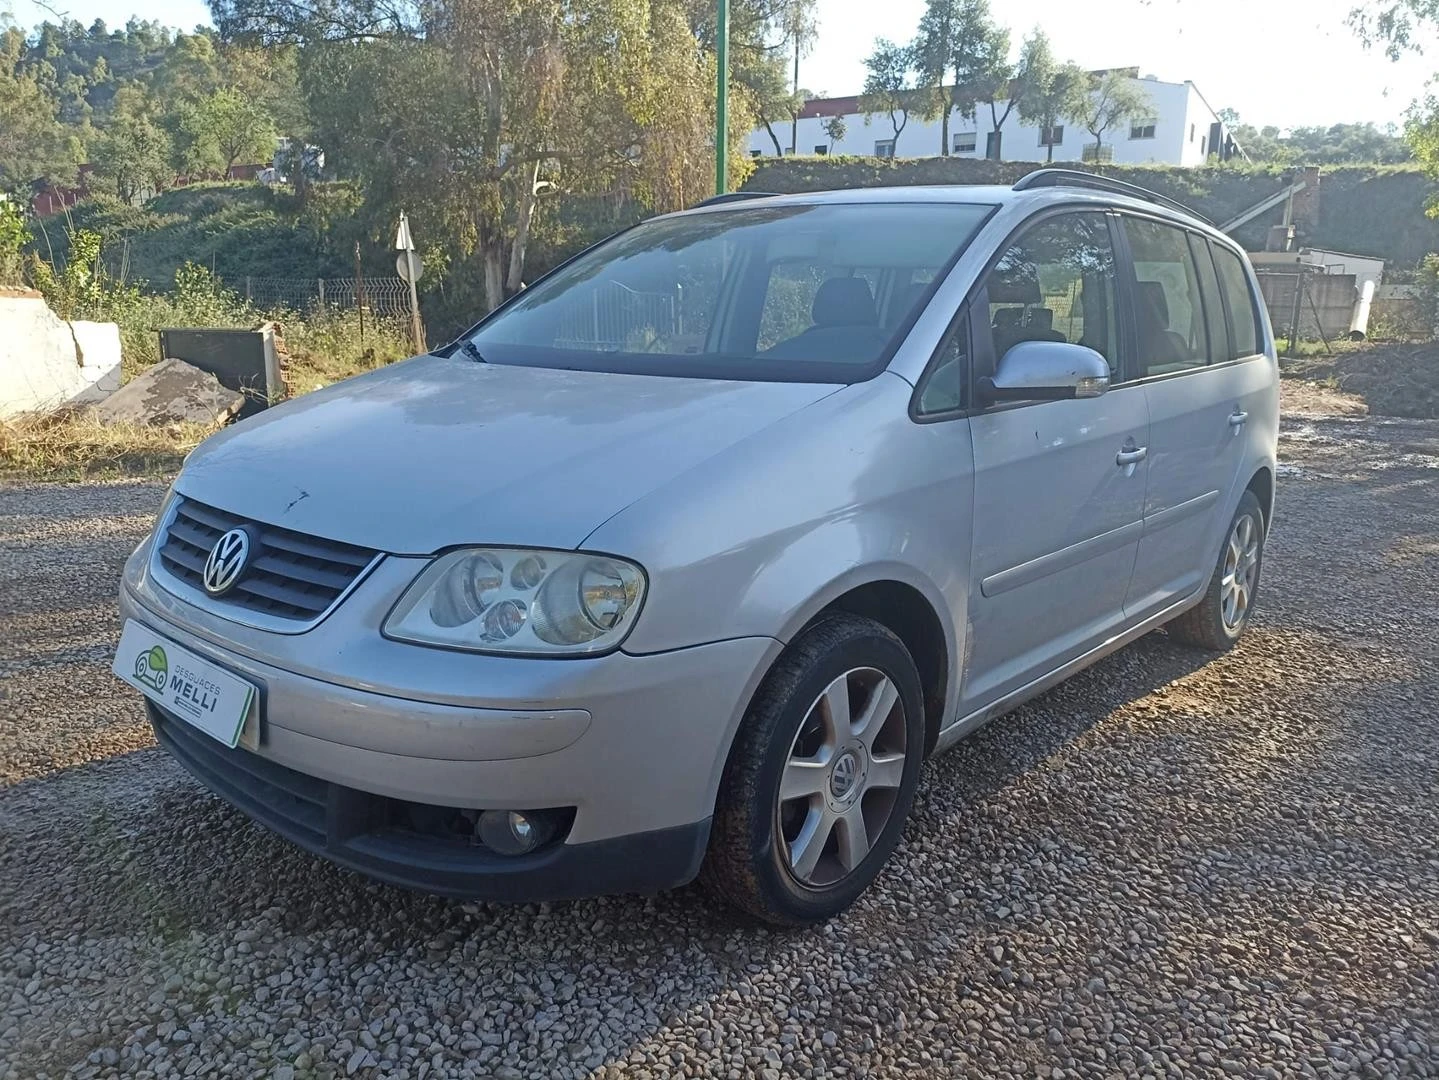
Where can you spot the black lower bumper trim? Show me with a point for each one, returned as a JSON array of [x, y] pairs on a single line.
[[353, 828]]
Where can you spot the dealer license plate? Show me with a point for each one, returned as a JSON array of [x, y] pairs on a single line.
[[188, 686]]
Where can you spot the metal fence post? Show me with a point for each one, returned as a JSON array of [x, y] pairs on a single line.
[[321, 283]]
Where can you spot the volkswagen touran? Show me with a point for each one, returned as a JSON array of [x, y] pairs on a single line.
[[682, 561]]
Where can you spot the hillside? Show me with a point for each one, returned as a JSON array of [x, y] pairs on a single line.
[[235, 229], [1364, 210]]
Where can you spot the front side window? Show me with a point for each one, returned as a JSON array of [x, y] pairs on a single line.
[[1051, 136], [965, 142], [1142, 129], [798, 292], [1057, 283], [1168, 306], [884, 148], [1243, 314]]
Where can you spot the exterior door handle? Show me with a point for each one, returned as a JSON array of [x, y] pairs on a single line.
[[1131, 457], [1237, 418]]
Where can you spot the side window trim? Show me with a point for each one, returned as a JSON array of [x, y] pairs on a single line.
[[1124, 299]]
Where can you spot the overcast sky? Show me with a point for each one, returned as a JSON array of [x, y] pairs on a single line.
[[1284, 62]]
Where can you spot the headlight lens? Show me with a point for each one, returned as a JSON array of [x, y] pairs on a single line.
[[512, 600]]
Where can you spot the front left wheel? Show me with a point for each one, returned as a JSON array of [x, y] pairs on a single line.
[[821, 777]]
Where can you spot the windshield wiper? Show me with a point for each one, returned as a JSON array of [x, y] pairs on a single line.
[[470, 349]]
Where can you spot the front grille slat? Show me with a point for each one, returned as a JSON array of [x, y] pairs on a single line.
[[184, 556], [292, 576], [283, 592], [196, 536], [208, 515], [329, 551], [323, 576]]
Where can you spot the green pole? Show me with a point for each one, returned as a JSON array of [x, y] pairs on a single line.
[[722, 101]]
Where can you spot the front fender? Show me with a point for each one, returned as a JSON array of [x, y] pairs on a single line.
[[758, 540]]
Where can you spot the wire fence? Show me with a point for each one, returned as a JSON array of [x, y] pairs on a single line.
[[386, 297]]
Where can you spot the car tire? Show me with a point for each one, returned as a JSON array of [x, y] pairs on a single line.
[[839, 720], [1218, 621]]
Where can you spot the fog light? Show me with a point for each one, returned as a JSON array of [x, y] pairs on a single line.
[[512, 832]]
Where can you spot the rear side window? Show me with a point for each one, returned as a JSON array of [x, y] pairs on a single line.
[[1168, 302], [1243, 317], [1214, 321]]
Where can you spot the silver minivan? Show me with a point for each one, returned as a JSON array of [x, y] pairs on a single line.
[[681, 562]]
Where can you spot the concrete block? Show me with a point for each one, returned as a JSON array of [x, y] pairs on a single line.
[[99, 345], [41, 367], [171, 392]]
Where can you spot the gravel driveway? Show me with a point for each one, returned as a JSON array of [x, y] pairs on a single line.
[[1161, 867]]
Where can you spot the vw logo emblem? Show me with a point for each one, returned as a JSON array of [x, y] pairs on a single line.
[[843, 775], [227, 562]]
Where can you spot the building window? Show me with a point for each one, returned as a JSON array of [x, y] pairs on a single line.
[[1191, 132], [756, 153], [1204, 146], [821, 150], [884, 148], [964, 142], [1142, 129], [1052, 136]]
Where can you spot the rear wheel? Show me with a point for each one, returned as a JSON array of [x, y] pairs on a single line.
[[1219, 620], [821, 777]]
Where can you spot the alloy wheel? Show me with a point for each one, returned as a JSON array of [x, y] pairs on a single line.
[[842, 777], [1241, 569]]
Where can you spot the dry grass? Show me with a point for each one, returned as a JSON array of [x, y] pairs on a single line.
[[75, 446]]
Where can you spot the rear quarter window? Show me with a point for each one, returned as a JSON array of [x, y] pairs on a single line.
[[1239, 297]]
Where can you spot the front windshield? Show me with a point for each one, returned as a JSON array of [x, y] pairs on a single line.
[[798, 292]]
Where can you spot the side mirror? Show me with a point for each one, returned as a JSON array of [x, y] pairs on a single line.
[[1047, 371]]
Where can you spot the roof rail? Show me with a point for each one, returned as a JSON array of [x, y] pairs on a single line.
[[734, 196], [1042, 178]]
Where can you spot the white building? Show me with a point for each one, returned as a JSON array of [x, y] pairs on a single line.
[[1179, 129]]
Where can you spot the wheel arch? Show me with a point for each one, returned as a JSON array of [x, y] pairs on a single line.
[[910, 607], [1262, 485]]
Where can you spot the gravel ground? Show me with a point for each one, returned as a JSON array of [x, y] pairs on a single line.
[[1162, 867]]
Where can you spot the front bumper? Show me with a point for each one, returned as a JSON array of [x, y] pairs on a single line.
[[635, 745], [361, 831]]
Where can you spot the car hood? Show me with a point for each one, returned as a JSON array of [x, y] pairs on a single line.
[[440, 451]]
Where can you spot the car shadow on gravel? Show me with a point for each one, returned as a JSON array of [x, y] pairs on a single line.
[[140, 848]]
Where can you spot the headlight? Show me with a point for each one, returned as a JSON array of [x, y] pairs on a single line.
[[512, 600]]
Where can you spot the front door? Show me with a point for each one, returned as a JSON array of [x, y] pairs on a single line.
[[1058, 485]]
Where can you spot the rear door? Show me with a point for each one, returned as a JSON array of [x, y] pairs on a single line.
[[1058, 485], [1200, 380]]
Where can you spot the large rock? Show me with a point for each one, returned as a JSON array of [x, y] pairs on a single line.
[[47, 363], [171, 392]]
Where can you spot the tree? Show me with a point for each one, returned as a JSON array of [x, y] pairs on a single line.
[[133, 155], [239, 127], [835, 130], [484, 105], [32, 141], [889, 86], [1014, 84], [957, 52], [797, 18], [1393, 25], [1107, 99], [1051, 91]]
